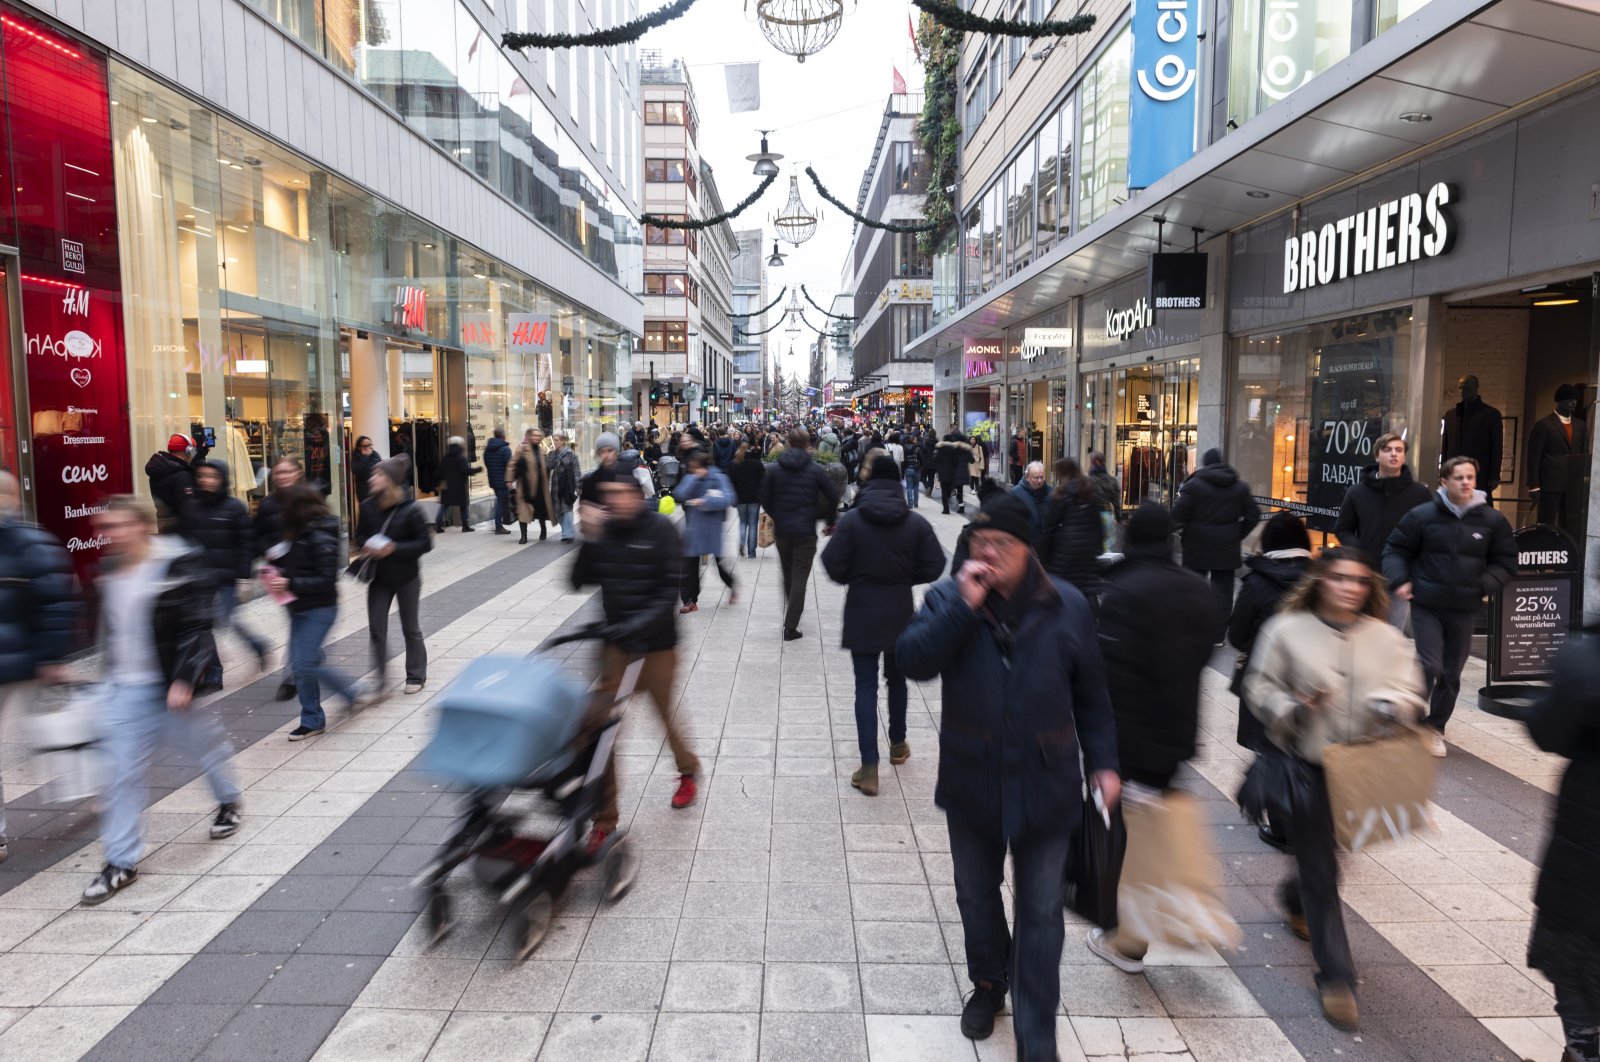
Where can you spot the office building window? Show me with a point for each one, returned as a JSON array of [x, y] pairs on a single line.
[[669, 337], [1103, 134], [1279, 45]]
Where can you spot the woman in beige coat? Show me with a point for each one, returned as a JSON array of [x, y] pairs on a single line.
[[528, 476], [1329, 669]]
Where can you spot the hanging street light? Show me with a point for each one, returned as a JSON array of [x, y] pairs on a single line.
[[796, 223], [776, 258], [799, 27], [766, 161]]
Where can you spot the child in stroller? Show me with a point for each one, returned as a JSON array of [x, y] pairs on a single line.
[[494, 738]]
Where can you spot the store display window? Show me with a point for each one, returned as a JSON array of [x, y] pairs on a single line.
[[1145, 420]]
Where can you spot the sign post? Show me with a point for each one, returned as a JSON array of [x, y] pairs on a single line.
[[1531, 619]]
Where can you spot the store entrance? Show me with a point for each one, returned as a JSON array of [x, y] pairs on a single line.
[[1522, 347], [1145, 420], [419, 390], [1039, 409]]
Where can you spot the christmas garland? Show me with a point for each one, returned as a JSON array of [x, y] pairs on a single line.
[[886, 226], [764, 309], [626, 33], [781, 321], [825, 313], [947, 14], [696, 225], [841, 334]]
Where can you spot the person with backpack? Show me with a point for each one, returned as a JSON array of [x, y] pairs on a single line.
[[796, 493], [171, 475], [564, 478]]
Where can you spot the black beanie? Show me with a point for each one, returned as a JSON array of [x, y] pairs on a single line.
[[1150, 525], [1212, 456], [1284, 531], [883, 467], [1004, 512]]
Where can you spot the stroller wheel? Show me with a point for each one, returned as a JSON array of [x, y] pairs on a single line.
[[620, 869], [441, 916], [532, 923]]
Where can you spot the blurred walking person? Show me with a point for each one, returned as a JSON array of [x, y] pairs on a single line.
[[393, 535], [1328, 669], [220, 525], [881, 549], [706, 496], [1074, 533], [39, 608], [308, 572], [911, 467], [1374, 505], [286, 472], [1148, 601], [155, 627], [1214, 514], [1565, 943], [1106, 487], [362, 462], [564, 480], [748, 470], [796, 493], [529, 477], [1444, 557], [1022, 685], [455, 472], [954, 464], [633, 555], [496, 460], [1031, 489]]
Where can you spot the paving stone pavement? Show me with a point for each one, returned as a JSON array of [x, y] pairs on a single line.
[[784, 916]]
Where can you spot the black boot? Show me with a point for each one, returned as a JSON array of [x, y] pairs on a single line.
[[543, 531], [524, 540]]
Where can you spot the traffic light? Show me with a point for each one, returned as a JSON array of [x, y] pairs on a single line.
[[655, 392]]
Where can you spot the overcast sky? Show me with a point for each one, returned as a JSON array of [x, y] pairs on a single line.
[[825, 113]]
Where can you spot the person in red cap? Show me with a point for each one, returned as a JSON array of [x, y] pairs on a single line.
[[171, 473]]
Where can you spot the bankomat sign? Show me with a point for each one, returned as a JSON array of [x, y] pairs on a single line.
[[1407, 229], [1161, 124]]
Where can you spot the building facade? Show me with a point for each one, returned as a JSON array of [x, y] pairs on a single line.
[[1381, 210], [280, 233], [751, 379]]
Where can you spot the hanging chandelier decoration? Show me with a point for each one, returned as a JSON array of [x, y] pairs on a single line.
[[796, 223], [799, 27]]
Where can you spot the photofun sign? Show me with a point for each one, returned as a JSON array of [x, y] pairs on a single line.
[[1407, 229]]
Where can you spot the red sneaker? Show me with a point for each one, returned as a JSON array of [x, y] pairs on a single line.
[[594, 841], [686, 792]]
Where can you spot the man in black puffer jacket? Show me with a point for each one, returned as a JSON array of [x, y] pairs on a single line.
[[1214, 513], [1444, 556], [796, 493], [634, 556], [221, 526], [171, 475], [1373, 507]]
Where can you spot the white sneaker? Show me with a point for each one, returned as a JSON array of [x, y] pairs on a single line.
[[413, 687], [1102, 947], [1436, 744]]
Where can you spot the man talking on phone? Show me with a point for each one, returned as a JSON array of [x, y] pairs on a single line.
[[1023, 684]]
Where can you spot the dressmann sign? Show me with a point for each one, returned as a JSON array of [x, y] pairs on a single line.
[[1164, 94]]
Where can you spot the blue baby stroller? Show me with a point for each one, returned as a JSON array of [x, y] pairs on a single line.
[[512, 723]]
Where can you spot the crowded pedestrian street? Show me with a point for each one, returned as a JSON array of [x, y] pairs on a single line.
[[782, 916]]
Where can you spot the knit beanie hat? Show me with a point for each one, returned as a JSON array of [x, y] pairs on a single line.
[[883, 467], [1212, 456], [397, 469], [1150, 525], [1004, 512], [607, 441], [1284, 531]]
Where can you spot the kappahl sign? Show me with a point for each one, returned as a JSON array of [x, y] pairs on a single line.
[[1407, 229], [1123, 323]]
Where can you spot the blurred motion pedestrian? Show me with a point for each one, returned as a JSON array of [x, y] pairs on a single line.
[[1106, 487], [155, 627], [286, 472], [529, 477], [362, 462], [706, 496], [1374, 505], [220, 525], [954, 463], [796, 493], [564, 479], [748, 470], [1022, 685], [1565, 943], [1444, 557], [1328, 668], [171, 475], [1074, 533], [39, 609], [390, 540], [880, 550], [1214, 513], [455, 472], [496, 461]]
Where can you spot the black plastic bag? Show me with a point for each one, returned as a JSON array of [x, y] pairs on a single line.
[[1275, 783], [1094, 866]]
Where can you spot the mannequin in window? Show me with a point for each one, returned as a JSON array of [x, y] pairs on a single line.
[[1472, 429], [1554, 439]]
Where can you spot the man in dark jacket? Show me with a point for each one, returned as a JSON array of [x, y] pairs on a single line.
[[221, 526], [1443, 557], [634, 555], [1145, 602], [1373, 507], [796, 493], [1022, 682], [1106, 487], [953, 458], [881, 549], [1554, 439], [454, 490], [155, 625], [1472, 429], [38, 607], [929, 446], [496, 458], [1032, 490], [1214, 514], [171, 474]]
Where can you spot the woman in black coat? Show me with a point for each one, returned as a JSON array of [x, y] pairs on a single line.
[[881, 549], [454, 472], [1073, 531], [1565, 944], [748, 468], [362, 462]]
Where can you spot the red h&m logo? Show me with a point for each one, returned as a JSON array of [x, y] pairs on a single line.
[[411, 307], [477, 334], [531, 333]]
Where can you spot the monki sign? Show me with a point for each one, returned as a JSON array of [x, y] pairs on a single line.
[[1407, 229]]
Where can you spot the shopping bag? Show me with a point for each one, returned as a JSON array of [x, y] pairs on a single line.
[[1379, 789], [63, 730], [1171, 886], [1274, 784], [766, 531], [1095, 864]]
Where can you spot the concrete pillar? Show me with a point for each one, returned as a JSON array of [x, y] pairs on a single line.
[[370, 390], [396, 382]]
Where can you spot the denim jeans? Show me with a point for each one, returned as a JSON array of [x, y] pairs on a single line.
[[502, 506], [749, 521], [912, 493], [866, 666], [566, 526], [134, 720], [1030, 965], [308, 629]]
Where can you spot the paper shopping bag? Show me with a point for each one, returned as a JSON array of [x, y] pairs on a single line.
[[1171, 888], [1379, 790], [766, 531]]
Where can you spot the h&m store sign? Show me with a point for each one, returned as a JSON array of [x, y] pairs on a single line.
[[1407, 229]]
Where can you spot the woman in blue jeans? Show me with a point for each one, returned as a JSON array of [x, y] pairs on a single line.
[[748, 468], [308, 570]]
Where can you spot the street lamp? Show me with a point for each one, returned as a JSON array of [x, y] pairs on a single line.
[[766, 161], [776, 258]]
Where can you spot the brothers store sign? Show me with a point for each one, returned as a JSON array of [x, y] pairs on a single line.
[[1402, 230]]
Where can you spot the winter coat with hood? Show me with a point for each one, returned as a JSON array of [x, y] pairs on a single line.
[[1567, 722], [39, 609], [171, 483], [403, 524], [496, 459], [880, 550], [1158, 624], [1107, 490], [703, 523], [1023, 684], [312, 566], [221, 526], [954, 460], [269, 523], [722, 452], [1373, 507], [797, 492], [1267, 581], [565, 477], [1037, 501], [636, 565], [361, 468], [1451, 557], [1214, 513], [454, 472], [1073, 538], [747, 476], [180, 621]]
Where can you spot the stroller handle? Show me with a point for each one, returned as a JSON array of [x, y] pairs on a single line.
[[588, 632]]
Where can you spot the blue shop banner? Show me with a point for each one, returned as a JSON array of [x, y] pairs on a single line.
[[1164, 88]]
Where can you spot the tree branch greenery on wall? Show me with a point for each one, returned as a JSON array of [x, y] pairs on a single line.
[[825, 313], [953, 17], [939, 128], [886, 226], [606, 38], [696, 224]]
